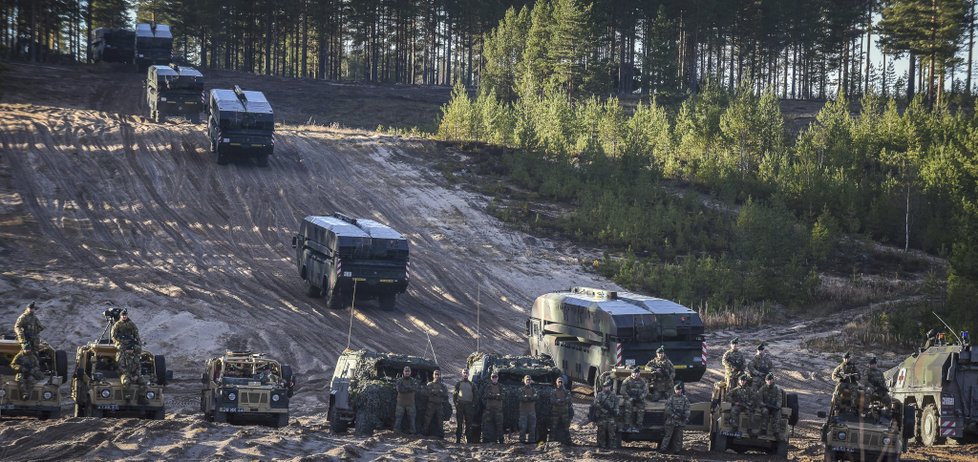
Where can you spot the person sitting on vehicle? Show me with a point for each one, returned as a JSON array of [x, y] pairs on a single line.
[[742, 401]]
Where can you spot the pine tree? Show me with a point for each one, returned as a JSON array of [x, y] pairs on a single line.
[[571, 44], [503, 53]]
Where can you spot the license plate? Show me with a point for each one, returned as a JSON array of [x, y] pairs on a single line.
[[389, 281], [108, 407], [680, 366], [947, 401], [360, 279], [228, 409], [6, 406]]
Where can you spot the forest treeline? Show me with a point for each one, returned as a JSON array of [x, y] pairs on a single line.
[[798, 48]]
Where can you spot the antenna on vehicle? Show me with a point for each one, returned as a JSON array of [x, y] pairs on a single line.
[[478, 318], [433, 355], [240, 94], [948, 328], [353, 307]]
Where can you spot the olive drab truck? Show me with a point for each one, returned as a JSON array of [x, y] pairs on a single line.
[[587, 331], [153, 45], [752, 431], [44, 399], [861, 434], [338, 256], [244, 385], [240, 124], [112, 45], [940, 383], [174, 91]]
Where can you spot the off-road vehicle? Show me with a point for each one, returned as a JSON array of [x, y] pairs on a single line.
[[96, 385], [112, 45], [174, 91], [362, 392], [154, 44], [242, 385], [866, 434], [44, 400], [750, 432], [240, 124]]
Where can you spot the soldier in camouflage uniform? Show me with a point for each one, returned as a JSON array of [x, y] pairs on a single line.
[[742, 399], [464, 400], [734, 363], [876, 388], [676, 415], [663, 375], [406, 387], [28, 328], [28, 369], [528, 411], [759, 367], [634, 391], [769, 398], [437, 397], [561, 413], [846, 376], [492, 410], [603, 412], [125, 336]]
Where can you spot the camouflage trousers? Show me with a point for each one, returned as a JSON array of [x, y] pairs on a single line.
[[130, 382], [433, 421], [492, 425], [560, 427], [607, 433], [771, 419], [26, 382], [736, 411], [528, 426], [412, 415], [634, 412], [672, 438], [731, 377], [464, 416], [33, 341]]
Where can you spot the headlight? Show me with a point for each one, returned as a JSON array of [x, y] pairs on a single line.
[[47, 395], [842, 436], [276, 398], [232, 396], [105, 393], [163, 98], [150, 395], [3, 392], [886, 440], [226, 140]]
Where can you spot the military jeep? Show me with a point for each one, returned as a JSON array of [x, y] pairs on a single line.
[[865, 434], [362, 392], [750, 433], [242, 385], [45, 399]]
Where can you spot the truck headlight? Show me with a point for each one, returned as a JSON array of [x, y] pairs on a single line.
[[150, 395], [3, 393], [842, 436], [47, 395], [886, 440], [226, 140], [232, 396], [105, 393], [163, 98], [276, 398]]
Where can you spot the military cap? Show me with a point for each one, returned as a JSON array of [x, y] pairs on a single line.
[[679, 385], [124, 312], [494, 374], [28, 347], [32, 305], [872, 360], [661, 349], [527, 377], [744, 377], [769, 376], [735, 341], [636, 370], [847, 355], [761, 346]]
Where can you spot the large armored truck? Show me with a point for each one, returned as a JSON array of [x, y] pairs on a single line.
[[751, 432], [174, 91], [243, 385], [154, 44], [44, 400], [337, 255], [941, 384], [588, 331], [866, 435], [362, 392], [240, 123], [112, 45]]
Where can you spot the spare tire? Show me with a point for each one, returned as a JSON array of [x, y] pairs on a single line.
[[160, 362], [909, 421], [61, 365], [289, 378], [792, 400]]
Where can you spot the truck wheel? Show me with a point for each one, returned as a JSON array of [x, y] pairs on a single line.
[[909, 421], [781, 449], [61, 365], [334, 299], [281, 420], [222, 157], [97, 413], [792, 401], [261, 159], [220, 417], [929, 424], [312, 290], [829, 455], [81, 410], [156, 116], [195, 119], [387, 302], [160, 362], [158, 414], [718, 442], [336, 424]]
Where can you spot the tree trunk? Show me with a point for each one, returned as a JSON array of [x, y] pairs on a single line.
[[911, 78], [971, 44]]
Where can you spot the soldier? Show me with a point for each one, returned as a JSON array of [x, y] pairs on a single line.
[[528, 411], [634, 390], [28, 369], [125, 336], [734, 363], [770, 397], [876, 385], [742, 400], [603, 412], [464, 400], [561, 412], [663, 375], [492, 410], [760, 366], [437, 397], [28, 328], [406, 386], [930, 340], [846, 376], [676, 416]]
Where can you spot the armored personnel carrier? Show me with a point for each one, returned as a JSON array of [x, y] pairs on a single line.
[[857, 433], [240, 124], [584, 330], [174, 91], [750, 433], [112, 45], [97, 387], [44, 400], [362, 392], [241, 385], [337, 254], [511, 370], [154, 44]]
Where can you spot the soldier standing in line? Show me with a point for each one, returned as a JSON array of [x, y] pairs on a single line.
[[28, 328], [635, 389], [663, 375], [742, 400], [770, 397], [760, 366], [603, 412], [27, 367], [406, 386], [734, 363], [125, 336], [561, 412], [464, 400], [676, 414], [876, 385], [492, 410], [846, 376], [528, 411], [437, 397]]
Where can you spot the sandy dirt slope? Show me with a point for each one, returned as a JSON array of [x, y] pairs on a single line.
[[99, 207]]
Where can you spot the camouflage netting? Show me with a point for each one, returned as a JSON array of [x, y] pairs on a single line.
[[512, 369], [372, 388]]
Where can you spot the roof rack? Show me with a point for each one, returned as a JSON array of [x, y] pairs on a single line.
[[346, 218], [240, 94], [596, 293]]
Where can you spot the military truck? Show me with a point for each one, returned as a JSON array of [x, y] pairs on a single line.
[[153, 45], [335, 254], [362, 393], [751, 432], [44, 400], [511, 370], [240, 123], [588, 331], [96, 385], [112, 45], [174, 91], [940, 383], [859, 433], [245, 385]]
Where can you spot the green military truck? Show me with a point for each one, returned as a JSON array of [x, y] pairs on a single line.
[[174, 91], [337, 255], [587, 331], [511, 370], [112, 45], [154, 45], [876, 435], [44, 400], [244, 385], [240, 124], [750, 432]]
